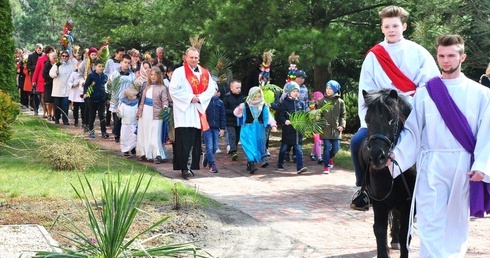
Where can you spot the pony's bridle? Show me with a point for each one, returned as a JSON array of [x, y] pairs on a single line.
[[378, 136], [392, 145]]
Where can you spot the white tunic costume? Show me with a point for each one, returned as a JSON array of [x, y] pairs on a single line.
[[412, 59], [186, 114], [442, 187], [127, 113], [150, 132]]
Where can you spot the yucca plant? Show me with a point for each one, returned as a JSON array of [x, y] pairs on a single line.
[[109, 222], [308, 122]]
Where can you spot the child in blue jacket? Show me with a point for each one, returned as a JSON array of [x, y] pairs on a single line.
[[215, 114], [94, 90]]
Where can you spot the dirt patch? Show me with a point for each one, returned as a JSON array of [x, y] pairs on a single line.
[[221, 231]]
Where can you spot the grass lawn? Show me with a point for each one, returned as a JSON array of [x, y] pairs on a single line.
[[25, 173]]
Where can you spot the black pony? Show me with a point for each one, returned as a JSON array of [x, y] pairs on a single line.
[[385, 117]]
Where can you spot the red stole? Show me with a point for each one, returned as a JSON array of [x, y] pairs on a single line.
[[198, 87], [400, 80]]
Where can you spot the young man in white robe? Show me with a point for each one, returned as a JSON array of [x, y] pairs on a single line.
[[413, 62], [444, 168], [191, 89]]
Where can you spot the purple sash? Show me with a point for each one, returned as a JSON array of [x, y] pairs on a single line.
[[461, 130]]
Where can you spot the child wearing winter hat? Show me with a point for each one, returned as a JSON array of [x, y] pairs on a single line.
[[316, 151], [290, 137], [334, 125]]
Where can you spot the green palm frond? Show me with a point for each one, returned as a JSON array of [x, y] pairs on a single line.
[[219, 65], [90, 89], [308, 122]]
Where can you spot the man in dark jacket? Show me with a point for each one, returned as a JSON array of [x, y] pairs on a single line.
[[32, 58], [231, 100]]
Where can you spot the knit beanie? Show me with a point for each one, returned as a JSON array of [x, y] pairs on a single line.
[[334, 85], [317, 95], [92, 50], [290, 86]]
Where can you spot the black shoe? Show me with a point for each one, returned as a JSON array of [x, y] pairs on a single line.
[[265, 164], [157, 160], [187, 173], [57, 122], [76, 124], [66, 123], [251, 167], [360, 201], [142, 158], [286, 156], [127, 154], [116, 139]]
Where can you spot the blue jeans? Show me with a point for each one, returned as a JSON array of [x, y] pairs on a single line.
[[330, 148], [61, 109], [355, 145], [299, 155], [211, 138]]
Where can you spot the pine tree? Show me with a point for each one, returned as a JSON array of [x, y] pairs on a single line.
[[7, 64]]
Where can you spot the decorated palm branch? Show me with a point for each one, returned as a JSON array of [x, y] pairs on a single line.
[[166, 114], [113, 86], [104, 53], [90, 89], [196, 42], [308, 122]]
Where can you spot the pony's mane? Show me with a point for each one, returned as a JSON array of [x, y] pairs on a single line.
[[381, 100]]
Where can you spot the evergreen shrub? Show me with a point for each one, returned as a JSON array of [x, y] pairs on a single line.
[[9, 111]]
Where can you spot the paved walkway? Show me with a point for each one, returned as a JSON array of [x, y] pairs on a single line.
[[311, 208]]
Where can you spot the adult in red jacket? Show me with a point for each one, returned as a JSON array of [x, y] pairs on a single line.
[[37, 77]]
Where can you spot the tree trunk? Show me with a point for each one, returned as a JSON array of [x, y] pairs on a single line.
[[321, 75]]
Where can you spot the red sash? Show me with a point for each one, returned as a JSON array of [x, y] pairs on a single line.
[[400, 80], [198, 87]]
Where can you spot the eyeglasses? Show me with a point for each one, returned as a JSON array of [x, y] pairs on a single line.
[[64, 56]]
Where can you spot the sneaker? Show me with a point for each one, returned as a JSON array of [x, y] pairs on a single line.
[[105, 135], [127, 154], [204, 161], [320, 161], [218, 151], [265, 164], [302, 170], [116, 139], [213, 169], [234, 156], [280, 167], [360, 202], [157, 160], [227, 149], [91, 135], [326, 170], [312, 157], [268, 153], [330, 163]]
